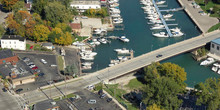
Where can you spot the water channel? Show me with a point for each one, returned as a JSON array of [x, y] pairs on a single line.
[[142, 41]]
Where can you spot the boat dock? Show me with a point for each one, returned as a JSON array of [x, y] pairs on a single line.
[[174, 9]]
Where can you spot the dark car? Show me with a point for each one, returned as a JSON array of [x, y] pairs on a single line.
[[4, 90], [19, 90], [109, 99], [158, 56], [100, 92], [41, 74], [103, 96]]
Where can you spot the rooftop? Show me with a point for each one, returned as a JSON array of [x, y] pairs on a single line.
[[217, 41], [47, 44], [6, 54], [75, 25], [85, 2], [14, 37], [45, 105]]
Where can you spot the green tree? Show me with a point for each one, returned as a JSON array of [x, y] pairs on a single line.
[[41, 33], [74, 11], [56, 13], [209, 93], [18, 6], [55, 34], [38, 6], [2, 30], [64, 27], [151, 72], [153, 107], [8, 4]]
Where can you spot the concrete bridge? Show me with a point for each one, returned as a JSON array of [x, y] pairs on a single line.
[[120, 69]]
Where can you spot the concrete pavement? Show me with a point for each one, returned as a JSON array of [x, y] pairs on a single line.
[[122, 68]]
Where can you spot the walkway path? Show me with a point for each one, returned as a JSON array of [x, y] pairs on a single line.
[[203, 22]]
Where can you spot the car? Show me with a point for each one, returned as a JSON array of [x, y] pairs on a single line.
[[41, 74], [34, 68], [109, 99], [49, 82], [30, 63], [19, 90], [100, 92], [92, 101], [26, 59], [158, 56], [43, 61], [37, 70], [103, 96], [4, 90]]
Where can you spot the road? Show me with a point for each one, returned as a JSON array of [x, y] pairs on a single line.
[[123, 68]]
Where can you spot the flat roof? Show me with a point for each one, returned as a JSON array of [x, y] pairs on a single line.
[[217, 41], [85, 2], [47, 44], [6, 54], [13, 37], [44, 105]]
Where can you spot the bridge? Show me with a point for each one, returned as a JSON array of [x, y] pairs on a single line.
[[120, 69]]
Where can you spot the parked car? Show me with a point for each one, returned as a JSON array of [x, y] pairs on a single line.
[[92, 101], [19, 90], [26, 59], [4, 90], [100, 92], [43, 61], [109, 99], [30, 63], [41, 74], [158, 56], [34, 68], [103, 96]]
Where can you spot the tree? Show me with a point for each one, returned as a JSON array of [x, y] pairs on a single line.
[[64, 27], [65, 39], [2, 30], [8, 4], [74, 11], [151, 72], [56, 13], [55, 34], [163, 92], [12, 25], [38, 6], [209, 93], [18, 6], [41, 33], [153, 107]]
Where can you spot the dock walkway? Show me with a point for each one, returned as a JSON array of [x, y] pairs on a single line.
[[203, 22]]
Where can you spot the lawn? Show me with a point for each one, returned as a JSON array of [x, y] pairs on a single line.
[[118, 93], [215, 27], [135, 84], [60, 62], [80, 38]]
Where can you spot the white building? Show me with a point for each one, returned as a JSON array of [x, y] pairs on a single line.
[[13, 42], [215, 47], [83, 5]]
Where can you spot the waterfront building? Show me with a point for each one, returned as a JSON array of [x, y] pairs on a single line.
[[83, 5], [13, 42], [215, 47], [76, 27]]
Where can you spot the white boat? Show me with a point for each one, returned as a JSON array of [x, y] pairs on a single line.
[[175, 29], [86, 67], [156, 21], [103, 40], [87, 63], [122, 51], [157, 26], [152, 17], [117, 21], [99, 31], [114, 5], [114, 11], [124, 39], [215, 67], [160, 34], [114, 61], [87, 58], [122, 58], [110, 65], [208, 61], [118, 18], [177, 34], [112, 1], [168, 15], [218, 72], [160, 2], [115, 15]]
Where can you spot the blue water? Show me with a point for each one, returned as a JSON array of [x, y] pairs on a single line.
[[142, 41]]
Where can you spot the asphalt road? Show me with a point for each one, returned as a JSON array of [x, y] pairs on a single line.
[[128, 66]]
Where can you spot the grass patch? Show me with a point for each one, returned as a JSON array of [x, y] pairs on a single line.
[[215, 27], [98, 86], [117, 93], [80, 38], [60, 62], [28, 46], [135, 84], [37, 47]]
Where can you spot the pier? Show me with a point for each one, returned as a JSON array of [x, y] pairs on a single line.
[[174, 9]]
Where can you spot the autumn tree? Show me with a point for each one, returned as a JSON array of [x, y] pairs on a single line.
[[209, 93], [56, 13], [38, 6], [8, 4], [18, 6], [153, 107], [12, 25], [41, 33], [64, 27]]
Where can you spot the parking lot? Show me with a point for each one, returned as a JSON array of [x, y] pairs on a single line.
[[101, 103], [47, 72]]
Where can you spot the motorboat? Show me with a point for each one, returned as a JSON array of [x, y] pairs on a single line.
[[167, 16], [122, 51], [208, 61], [124, 39], [86, 67], [215, 67], [114, 5], [160, 2], [160, 34], [87, 63], [114, 11], [114, 61], [118, 18], [177, 34], [115, 15], [152, 17], [175, 29], [156, 21], [99, 31], [112, 64], [122, 58], [87, 58], [157, 26], [103, 40], [112, 1], [96, 42]]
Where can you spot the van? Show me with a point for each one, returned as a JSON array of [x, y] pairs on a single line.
[[92, 101]]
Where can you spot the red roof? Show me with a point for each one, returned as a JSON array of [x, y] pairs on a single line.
[[75, 25]]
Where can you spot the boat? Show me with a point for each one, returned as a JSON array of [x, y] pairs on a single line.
[[118, 18], [115, 15], [157, 26], [177, 34], [122, 51], [117, 21], [215, 67], [114, 5], [160, 34], [99, 31], [114, 11], [122, 58], [87, 58], [175, 29], [168, 15], [208, 61], [86, 67], [103, 40], [124, 39], [114, 61], [87, 63], [110, 65], [160, 2]]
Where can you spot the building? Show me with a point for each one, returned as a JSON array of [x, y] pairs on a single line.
[[13, 42], [215, 47], [83, 5], [7, 56], [48, 46], [46, 105], [76, 27]]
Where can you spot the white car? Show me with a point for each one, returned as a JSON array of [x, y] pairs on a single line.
[[43, 61]]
